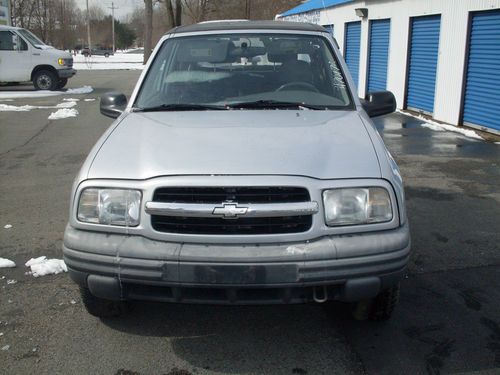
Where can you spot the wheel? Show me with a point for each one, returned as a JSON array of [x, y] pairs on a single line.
[[379, 308], [62, 82], [303, 85], [45, 80], [106, 54], [384, 303], [99, 307]]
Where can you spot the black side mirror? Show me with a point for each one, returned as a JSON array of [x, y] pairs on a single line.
[[379, 103], [113, 104]]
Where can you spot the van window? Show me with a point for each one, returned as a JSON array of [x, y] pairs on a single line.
[[6, 43]]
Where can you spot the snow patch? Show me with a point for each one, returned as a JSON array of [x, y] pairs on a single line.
[[6, 347], [7, 226], [436, 126], [11, 282], [9, 95], [81, 90], [15, 108], [63, 113], [89, 100], [6, 263], [42, 266], [71, 99], [66, 105]]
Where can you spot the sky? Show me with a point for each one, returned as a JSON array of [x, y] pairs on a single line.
[[125, 6]]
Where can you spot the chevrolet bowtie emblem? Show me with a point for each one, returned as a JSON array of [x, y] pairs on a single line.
[[230, 211]]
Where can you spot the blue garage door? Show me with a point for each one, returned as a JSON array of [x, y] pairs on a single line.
[[329, 28], [379, 54], [352, 46], [424, 47], [482, 90]]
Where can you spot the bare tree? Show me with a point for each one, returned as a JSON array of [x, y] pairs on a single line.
[[148, 29]]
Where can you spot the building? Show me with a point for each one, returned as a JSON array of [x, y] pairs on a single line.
[[438, 57], [4, 12]]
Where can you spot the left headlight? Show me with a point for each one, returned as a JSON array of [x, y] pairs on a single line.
[[110, 206], [350, 206], [65, 62]]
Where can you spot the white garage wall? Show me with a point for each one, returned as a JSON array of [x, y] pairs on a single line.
[[452, 44]]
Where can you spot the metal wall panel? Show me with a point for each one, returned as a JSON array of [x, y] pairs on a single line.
[[380, 31], [482, 90], [352, 48], [424, 49]]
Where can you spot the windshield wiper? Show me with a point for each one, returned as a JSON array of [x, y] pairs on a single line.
[[273, 104], [180, 107]]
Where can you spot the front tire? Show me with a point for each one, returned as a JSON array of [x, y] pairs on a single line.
[[384, 303], [106, 54], [99, 307], [45, 80]]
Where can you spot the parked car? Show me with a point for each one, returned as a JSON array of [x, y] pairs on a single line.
[[24, 57], [243, 170], [98, 51]]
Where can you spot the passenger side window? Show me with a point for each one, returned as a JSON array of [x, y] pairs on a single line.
[[6, 42]]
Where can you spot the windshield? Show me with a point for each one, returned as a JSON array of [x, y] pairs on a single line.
[[252, 70], [32, 38]]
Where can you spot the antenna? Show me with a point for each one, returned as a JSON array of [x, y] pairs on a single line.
[[112, 7]]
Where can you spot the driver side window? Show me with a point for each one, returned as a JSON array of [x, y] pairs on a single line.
[[6, 41]]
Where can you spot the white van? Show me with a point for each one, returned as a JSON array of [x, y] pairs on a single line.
[[24, 57]]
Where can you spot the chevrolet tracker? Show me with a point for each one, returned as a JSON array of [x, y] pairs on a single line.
[[242, 170]]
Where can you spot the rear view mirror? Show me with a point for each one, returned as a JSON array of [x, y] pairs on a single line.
[[113, 104], [379, 103]]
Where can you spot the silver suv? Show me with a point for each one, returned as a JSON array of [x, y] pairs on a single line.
[[243, 170]]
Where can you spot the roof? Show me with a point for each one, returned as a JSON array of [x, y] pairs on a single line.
[[313, 5], [247, 25]]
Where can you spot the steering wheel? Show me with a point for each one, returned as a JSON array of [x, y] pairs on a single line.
[[297, 84]]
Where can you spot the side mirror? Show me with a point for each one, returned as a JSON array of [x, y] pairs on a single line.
[[113, 104], [379, 103]]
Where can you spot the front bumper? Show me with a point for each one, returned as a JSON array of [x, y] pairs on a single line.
[[344, 267], [66, 73]]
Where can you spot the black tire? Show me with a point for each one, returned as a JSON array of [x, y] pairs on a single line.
[[106, 54], [62, 82], [384, 303], [99, 307], [45, 80]]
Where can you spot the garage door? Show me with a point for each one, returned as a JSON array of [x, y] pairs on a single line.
[[482, 90], [424, 47], [352, 45], [379, 54]]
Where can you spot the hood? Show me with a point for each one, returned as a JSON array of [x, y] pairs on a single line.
[[318, 144], [49, 50]]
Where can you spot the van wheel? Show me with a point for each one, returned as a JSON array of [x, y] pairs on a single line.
[[62, 82], [45, 80], [99, 307]]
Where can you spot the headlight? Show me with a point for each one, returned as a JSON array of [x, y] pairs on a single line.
[[110, 206], [357, 206], [63, 62]]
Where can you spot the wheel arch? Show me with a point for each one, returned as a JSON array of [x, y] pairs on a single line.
[[38, 68]]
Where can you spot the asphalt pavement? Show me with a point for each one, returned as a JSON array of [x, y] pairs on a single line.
[[447, 322]]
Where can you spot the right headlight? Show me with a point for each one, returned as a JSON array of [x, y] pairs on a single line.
[[351, 206]]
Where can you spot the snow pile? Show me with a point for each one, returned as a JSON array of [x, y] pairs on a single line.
[[63, 113], [9, 95], [6, 263], [66, 105], [81, 90], [119, 60], [15, 108], [433, 125], [42, 266]]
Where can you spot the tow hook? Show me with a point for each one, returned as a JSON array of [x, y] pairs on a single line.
[[320, 294]]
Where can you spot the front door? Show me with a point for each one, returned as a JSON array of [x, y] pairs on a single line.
[[15, 58]]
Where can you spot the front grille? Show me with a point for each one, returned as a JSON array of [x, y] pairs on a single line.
[[237, 226], [240, 194]]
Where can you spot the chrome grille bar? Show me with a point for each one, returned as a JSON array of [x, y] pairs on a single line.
[[232, 210]]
